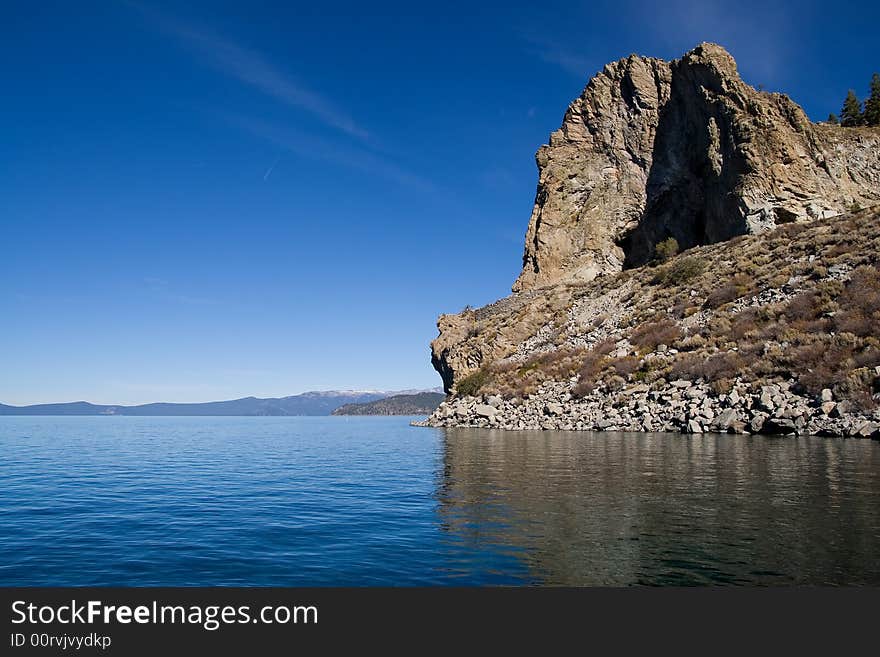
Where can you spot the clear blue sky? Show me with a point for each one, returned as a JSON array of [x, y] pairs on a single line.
[[208, 201]]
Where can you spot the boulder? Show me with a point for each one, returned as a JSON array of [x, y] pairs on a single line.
[[779, 425], [867, 430], [757, 423], [726, 418], [554, 408], [486, 411], [694, 427]]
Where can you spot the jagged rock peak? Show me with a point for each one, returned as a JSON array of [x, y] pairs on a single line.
[[654, 149]]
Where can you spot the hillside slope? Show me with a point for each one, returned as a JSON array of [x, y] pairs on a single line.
[[781, 329], [423, 403], [767, 322]]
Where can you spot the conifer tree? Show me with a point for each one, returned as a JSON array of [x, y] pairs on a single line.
[[832, 119], [851, 114], [872, 105]]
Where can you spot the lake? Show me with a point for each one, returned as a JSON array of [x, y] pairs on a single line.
[[299, 501]]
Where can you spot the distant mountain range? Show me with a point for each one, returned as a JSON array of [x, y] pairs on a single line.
[[421, 403], [308, 403]]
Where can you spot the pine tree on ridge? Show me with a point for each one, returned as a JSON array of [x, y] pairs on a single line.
[[851, 114], [872, 104]]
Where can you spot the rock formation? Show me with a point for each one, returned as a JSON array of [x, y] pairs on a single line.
[[778, 284], [684, 149]]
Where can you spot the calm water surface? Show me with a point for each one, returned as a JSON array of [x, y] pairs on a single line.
[[373, 501]]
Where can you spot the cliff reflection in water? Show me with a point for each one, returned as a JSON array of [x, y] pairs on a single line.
[[617, 509]]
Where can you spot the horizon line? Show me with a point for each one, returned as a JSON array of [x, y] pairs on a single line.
[[338, 391]]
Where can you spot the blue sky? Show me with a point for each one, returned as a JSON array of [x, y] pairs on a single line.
[[212, 200]]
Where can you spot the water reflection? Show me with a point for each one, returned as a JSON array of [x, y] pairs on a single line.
[[616, 509]]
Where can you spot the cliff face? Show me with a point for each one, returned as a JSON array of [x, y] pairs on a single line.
[[685, 149], [654, 149]]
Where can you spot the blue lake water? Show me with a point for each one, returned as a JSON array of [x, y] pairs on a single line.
[[373, 501]]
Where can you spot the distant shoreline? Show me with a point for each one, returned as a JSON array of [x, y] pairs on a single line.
[[333, 415], [317, 403]]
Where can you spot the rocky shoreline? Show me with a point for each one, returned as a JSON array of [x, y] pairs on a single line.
[[701, 257], [678, 406]]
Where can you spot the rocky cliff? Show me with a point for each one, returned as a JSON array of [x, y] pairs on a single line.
[[687, 150], [682, 149]]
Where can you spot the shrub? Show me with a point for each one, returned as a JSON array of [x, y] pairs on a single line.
[[592, 364], [692, 342], [805, 307], [721, 295], [870, 357], [557, 364], [665, 249], [680, 271], [860, 303], [821, 365], [857, 323], [510, 378], [686, 366], [862, 400], [817, 272], [745, 324], [626, 366], [616, 383], [680, 309], [604, 348], [726, 365], [584, 387], [651, 334], [844, 247], [737, 287], [472, 383]]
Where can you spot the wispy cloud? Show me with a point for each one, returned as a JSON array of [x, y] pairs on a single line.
[[252, 69], [316, 148], [271, 169], [555, 53]]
